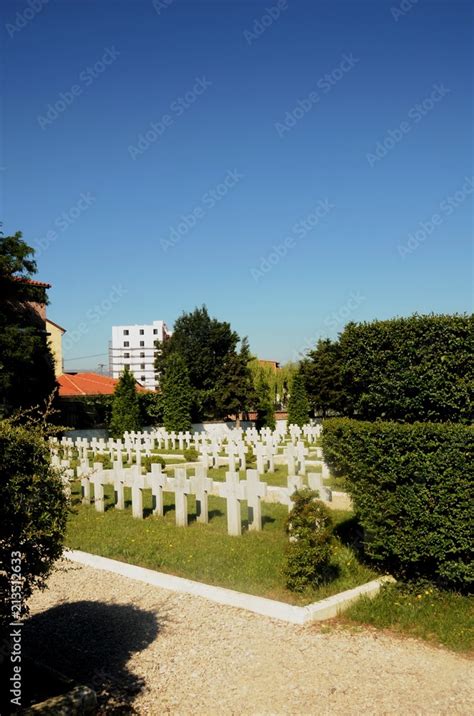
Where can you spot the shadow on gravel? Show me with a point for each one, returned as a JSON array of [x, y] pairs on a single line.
[[91, 642]]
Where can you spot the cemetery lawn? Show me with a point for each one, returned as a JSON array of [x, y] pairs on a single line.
[[440, 617], [206, 553]]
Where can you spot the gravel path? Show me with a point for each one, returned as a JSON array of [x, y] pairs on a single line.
[[149, 651]]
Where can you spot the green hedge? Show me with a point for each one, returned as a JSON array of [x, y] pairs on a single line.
[[412, 487]]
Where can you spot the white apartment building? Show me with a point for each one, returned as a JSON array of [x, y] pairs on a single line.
[[134, 347]]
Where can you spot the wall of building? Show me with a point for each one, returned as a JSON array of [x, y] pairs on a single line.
[[56, 345], [134, 346]]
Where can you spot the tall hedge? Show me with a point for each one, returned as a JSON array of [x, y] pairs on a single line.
[[33, 515], [419, 368], [298, 404], [177, 396], [412, 487], [125, 414]]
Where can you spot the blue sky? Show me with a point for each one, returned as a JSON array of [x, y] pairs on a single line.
[[293, 165]]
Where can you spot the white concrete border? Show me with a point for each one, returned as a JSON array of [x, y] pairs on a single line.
[[324, 609]]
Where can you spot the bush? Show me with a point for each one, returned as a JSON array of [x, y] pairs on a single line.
[[191, 455], [412, 488], [309, 526], [104, 459], [176, 395], [148, 461], [33, 514]]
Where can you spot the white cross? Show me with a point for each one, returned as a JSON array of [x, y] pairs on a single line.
[[233, 491], [181, 488], [255, 491], [201, 486]]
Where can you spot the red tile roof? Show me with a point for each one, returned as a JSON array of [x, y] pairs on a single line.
[[31, 282], [75, 384]]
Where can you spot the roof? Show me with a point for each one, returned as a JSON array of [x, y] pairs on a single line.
[[76, 384], [48, 320], [31, 282]]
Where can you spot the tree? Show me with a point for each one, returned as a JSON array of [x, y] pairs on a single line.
[[234, 390], [265, 405], [298, 404], [125, 406], [324, 380], [209, 350], [33, 515], [176, 394], [26, 363]]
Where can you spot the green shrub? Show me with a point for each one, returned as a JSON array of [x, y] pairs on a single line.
[[412, 487], [309, 526], [105, 460], [177, 395], [191, 455], [411, 369], [148, 461], [33, 514]]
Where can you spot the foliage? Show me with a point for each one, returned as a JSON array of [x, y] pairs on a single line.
[[265, 406], [324, 380], [151, 408], [86, 411], [33, 515], [298, 404], [424, 612], [148, 461], [412, 488], [125, 406], [176, 394], [419, 368], [234, 391], [191, 455], [278, 380], [209, 350], [26, 362], [309, 526], [104, 459]]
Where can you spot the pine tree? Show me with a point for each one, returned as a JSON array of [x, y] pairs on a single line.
[[125, 406], [298, 404], [265, 405], [177, 394]]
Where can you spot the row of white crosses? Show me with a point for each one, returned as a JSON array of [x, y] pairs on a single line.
[[233, 490]]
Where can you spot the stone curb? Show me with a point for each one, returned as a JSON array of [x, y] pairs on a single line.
[[324, 609]]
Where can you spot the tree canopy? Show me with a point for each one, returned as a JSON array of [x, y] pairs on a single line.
[[125, 406], [26, 363], [217, 367]]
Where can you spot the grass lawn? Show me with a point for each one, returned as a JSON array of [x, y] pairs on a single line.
[[439, 617], [251, 563]]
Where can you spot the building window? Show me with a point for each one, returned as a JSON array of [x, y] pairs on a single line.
[[126, 366], [142, 344], [126, 344], [142, 355], [125, 332], [126, 355], [142, 366], [155, 331], [142, 332], [143, 378]]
